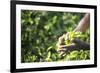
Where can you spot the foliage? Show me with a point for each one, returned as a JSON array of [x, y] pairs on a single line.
[[75, 55], [40, 31], [73, 35]]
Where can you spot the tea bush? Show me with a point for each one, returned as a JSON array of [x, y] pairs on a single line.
[[40, 31]]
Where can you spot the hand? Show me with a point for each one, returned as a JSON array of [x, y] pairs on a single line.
[[61, 41], [79, 44]]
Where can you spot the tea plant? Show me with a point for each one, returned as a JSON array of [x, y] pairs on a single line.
[[40, 31]]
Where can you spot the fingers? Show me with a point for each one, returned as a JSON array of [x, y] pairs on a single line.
[[62, 50], [61, 41], [65, 46], [62, 46]]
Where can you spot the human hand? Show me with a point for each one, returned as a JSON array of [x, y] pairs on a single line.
[[74, 43], [78, 45], [61, 41]]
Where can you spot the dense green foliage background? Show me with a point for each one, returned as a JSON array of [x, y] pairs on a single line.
[[40, 31]]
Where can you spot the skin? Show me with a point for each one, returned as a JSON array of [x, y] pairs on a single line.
[[82, 26]]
